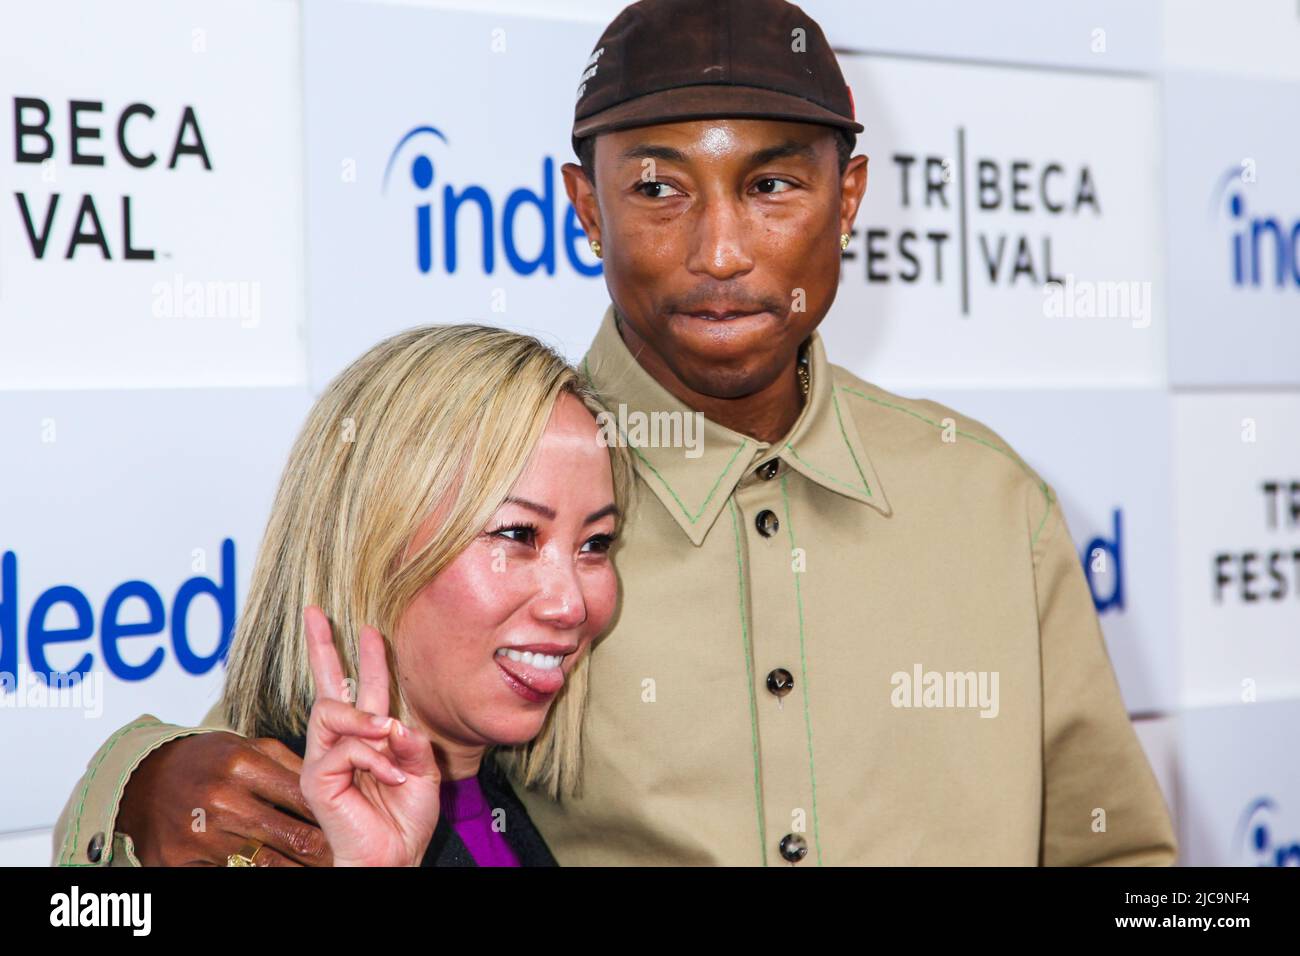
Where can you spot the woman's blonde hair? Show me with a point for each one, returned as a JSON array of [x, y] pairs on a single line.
[[436, 417]]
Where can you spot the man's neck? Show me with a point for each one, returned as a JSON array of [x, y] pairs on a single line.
[[767, 415]]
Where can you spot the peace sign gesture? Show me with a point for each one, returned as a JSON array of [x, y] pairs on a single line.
[[370, 781]]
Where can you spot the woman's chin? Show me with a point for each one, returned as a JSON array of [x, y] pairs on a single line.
[[515, 729]]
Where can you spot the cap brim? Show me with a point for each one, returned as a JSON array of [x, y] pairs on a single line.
[[709, 101]]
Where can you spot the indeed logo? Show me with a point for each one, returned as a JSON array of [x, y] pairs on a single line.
[[1103, 567], [1265, 248], [444, 211], [1255, 842], [114, 633]]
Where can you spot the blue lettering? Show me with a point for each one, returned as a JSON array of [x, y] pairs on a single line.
[[422, 176], [38, 636], [546, 206], [225, 597], [112, 629], [1111, 552], [1248, 252]]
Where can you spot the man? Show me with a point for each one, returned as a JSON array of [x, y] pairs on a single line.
[[854, 629]]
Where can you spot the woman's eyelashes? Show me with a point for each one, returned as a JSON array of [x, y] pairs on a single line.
[[527, 531], [602, 543], [527, 535]]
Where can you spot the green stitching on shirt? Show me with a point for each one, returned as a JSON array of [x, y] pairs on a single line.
[[712, 491], [1042, 485], [664, 481], [749, 683], [813, 467], [844, 435], [803, 664], [70, 848]]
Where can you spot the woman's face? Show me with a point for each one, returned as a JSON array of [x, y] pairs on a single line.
[[484, 648]]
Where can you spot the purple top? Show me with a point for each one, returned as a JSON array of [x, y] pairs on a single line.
[[467, 810]]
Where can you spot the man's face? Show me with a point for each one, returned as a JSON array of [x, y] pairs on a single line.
[[720, 241]]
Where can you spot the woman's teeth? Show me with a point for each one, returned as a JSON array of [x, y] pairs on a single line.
[[540, 661]]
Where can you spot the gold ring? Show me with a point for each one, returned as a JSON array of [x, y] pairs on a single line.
[[246, 855]]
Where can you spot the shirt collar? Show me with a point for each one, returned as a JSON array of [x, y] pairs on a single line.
[[823, 445]]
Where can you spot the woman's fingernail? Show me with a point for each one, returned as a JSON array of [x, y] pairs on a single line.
[[381, 722], [401, 729], [401, 777]]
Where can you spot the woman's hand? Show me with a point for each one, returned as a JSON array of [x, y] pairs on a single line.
[[370, 781]]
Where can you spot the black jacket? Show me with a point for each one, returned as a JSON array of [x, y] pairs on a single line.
[[447, 849]]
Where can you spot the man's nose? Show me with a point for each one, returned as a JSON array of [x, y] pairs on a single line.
[[559, 600], [719, 246]]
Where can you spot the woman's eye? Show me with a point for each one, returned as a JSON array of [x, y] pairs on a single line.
[[525, 534], [599, 544], [653, 184], [773, 182]]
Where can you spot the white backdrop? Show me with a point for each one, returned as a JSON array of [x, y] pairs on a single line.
[[1144, 153]]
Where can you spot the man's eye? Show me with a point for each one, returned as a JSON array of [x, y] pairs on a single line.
[[654, 184], [770, 181]]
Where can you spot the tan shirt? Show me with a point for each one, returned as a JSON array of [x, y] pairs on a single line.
[[910, 586]]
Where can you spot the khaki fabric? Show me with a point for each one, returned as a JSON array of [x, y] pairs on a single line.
[[903, 539]]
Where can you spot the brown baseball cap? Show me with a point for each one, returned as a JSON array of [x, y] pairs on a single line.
[[661, 61]]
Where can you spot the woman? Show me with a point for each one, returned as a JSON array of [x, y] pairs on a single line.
[[436, 566]]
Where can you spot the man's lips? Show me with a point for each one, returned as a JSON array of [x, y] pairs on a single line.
[[722, 315]]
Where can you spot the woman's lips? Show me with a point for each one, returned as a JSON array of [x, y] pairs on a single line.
[[531, 683]]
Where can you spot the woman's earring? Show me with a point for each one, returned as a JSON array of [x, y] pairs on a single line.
[[844, 240], [595, 247]]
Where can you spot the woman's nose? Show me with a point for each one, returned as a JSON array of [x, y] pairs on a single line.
[[559, 600]]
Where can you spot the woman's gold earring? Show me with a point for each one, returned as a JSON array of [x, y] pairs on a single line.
[[844, 240], [595, 247]]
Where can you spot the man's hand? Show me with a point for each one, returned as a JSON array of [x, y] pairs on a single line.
[[240, 784]]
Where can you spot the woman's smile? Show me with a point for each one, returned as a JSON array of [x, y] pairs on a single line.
[[534, 673]]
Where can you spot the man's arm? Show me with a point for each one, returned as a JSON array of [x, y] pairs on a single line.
[[1101, 802], [85, 834], [160, 794]]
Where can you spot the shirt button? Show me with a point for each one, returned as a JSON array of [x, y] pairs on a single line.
[[766, 523], [95, 851], [767, 471], [793, 847], [780, 682]]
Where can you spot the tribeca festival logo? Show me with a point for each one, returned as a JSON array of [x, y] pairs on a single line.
[[1269, 573], [132, 137], [62, 617], [445, 211], [1255, 842], [954, 195], [1263, 248], [78, 224]]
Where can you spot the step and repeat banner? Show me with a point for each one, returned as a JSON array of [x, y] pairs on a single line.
[[1081, 228]]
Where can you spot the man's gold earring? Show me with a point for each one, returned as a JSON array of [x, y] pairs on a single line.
[[844, 240], [595, 247]]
